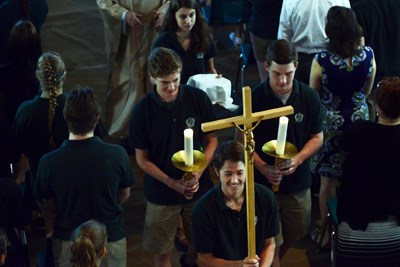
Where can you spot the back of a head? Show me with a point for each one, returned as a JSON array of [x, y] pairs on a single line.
[[343, 31], [81, 110], [230, 150], [90, 239], [51, 73], [24, 43], [281, 52], [164, 61], [388, 97]]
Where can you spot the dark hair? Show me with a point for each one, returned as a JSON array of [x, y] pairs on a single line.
[[343, 31], [81, 110], [51, 73], [164, 61], [229, 150], [199, 32], [281, 52], [388, 97], [23, 50], [89, 238], [4, 243]]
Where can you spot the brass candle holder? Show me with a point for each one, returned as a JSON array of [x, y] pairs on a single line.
[[290, 152], [199, 163]]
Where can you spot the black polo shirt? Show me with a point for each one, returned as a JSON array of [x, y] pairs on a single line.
[[219, 230], [306, 121], [193, 62], [158, 127]]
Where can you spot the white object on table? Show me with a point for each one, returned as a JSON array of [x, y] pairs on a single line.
[[217, 89]]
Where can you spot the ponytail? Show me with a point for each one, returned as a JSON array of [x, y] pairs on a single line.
[[83, 253]]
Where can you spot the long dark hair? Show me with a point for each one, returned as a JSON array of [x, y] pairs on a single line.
[[343, 31], [23, 51], [199, 33]]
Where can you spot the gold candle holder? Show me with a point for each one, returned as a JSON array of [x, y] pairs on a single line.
[[199, 163], [290, 152]]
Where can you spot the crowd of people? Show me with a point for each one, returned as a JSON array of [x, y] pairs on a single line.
[[345, 127]]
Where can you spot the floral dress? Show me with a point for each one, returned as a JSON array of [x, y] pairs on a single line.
[[343, 102]]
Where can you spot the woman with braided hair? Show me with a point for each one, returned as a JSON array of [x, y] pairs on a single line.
[[89, 245]]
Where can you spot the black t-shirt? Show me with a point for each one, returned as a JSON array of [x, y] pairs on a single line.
[[370, 182], [158, 128], [306, 121], [84, 177], [222, 231]]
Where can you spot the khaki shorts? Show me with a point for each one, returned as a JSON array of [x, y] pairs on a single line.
[[160, 225], [260, 47], [295, 215]]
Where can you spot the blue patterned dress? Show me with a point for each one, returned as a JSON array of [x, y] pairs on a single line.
[[343, 102]]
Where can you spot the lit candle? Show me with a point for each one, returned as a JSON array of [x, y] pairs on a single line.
[[281, 139], [188, 145]]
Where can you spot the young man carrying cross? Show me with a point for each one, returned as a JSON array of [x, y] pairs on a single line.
[[304, 131], [219, 217]]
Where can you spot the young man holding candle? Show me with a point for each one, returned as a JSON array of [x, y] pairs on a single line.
[[219, 217], [304, 131], [157, 132]]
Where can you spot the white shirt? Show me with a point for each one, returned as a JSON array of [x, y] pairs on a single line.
[[302, 22]]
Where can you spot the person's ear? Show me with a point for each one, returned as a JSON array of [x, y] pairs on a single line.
[[266, 66], [152, 79], [103, 252], [216, 171]]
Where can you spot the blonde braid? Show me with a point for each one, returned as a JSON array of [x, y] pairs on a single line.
[[52, 82]]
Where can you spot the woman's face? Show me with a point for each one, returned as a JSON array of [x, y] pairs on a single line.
[[185, 18]]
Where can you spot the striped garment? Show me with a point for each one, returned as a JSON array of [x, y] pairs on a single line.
[[378, 245]]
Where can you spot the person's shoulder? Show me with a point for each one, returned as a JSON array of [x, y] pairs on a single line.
[[163, 39], [208, 199], [263, 190]]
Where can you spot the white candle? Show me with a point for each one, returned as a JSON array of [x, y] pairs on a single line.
[[188, 145], [281, 139]]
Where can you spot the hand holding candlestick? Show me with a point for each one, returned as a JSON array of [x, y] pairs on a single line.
[[280, 149]]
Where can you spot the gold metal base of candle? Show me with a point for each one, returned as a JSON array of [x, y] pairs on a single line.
[[199, 161], [290, 152]]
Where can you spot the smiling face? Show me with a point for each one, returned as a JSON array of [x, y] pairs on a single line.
[[281, 76], [185, 18], [167, 86], [232, 177]]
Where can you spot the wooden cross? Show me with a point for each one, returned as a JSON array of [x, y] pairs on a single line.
[[247, 120]]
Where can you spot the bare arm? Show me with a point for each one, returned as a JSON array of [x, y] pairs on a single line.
[[211, 145], [315, 76], [267, 254], [370, 81], [210, 66], [123, 194]]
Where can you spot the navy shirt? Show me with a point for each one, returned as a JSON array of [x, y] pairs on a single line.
[[158, 127], [84, 177], [306, 121], [219, 230]]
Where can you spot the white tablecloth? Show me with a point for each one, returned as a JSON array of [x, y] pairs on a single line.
[[217, 89]]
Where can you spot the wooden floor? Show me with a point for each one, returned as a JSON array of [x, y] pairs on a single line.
[[80, 41]]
